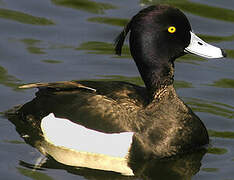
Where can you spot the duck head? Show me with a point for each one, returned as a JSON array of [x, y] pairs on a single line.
[[158, 35]]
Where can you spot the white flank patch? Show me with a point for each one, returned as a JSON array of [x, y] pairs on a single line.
[[63, 132]]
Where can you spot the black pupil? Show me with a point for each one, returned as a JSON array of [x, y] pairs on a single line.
[[200, 43]]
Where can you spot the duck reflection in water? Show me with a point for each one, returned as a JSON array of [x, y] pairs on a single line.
[[143, 131]]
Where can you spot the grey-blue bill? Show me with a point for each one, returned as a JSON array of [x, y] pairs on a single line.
[[199, 47]]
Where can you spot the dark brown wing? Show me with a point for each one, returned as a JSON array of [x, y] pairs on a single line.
[[61, 85], [105, 106]]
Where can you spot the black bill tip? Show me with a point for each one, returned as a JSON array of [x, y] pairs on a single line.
[[224, 53]]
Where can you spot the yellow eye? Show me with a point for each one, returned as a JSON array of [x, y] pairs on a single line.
[[171, 29]]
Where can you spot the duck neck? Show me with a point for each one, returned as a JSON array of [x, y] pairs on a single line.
[[156, 68], [157, 77]]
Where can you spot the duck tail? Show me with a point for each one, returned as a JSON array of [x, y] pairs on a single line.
[[119, 41]]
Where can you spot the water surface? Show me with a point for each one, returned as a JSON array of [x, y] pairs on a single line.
[[56, 40]]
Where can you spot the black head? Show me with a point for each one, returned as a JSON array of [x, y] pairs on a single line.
[[158, 32]]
